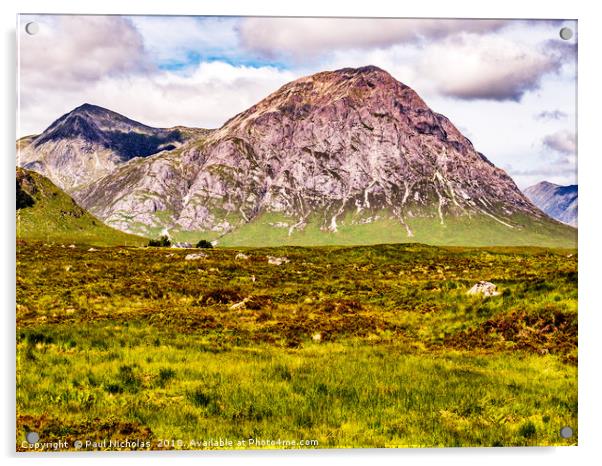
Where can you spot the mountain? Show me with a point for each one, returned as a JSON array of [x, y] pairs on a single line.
[[351, 156], [90, 142], [559, 202], [46, 213]]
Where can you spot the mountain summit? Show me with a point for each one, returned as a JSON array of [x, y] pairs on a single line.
[[90, 142], [340, 157]]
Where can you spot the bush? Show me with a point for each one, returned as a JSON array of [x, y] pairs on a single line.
[[128, 378], [162, 242], [165, 375], [527, 429], [200, 398], [204, 244]]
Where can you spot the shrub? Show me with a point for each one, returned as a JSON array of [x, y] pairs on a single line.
[[204, 244], [200, 398], [162, 242], [128, 379], [165, 375], [527, 430]]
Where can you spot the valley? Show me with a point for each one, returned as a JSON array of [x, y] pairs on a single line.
[[353, 346], [341, 223]]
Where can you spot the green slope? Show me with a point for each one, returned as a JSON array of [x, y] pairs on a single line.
[[46, 213], [456, 231]]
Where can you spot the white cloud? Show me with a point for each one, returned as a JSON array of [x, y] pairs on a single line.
[[550, 115], [206, 97], [562, 142], [68, 57], [111, 61], [172, 39], [305, 37], [74, 51], [485, 67]]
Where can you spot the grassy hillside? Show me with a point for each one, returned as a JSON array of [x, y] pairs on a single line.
[[458, 231], [46, 213], [351, 346]]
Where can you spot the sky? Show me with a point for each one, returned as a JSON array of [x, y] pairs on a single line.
[[508, 85]]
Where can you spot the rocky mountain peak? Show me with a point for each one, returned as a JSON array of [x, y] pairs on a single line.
[[368, 89], [336, 153], [91, 141], [559, 202], [91, 123]]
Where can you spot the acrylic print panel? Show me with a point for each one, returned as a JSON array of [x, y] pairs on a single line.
[[250, 233]]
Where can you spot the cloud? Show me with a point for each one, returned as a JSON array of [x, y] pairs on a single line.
[[75, 51], [565, 49], [306, 37], [175, 39], [564, 173], [205, 97], [114, 62], [562, 142], [551, 115], [554, 171], [489, 67]]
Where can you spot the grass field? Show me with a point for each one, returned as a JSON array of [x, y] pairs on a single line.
[[349, 346], [455, 231]]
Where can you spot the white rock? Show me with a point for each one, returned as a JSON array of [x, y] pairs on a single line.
[[277, 260], [240, 305], [195, 256], [241, 256], [484, 288], [92, 250]]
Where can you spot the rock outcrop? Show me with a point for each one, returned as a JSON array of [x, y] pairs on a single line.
[[484, 288]]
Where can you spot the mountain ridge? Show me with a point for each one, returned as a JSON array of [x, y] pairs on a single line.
[[91, 141], [559, 202], [330, 152]]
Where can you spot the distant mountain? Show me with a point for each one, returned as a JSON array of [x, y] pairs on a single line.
[[559, 202], [351, 156], [45, 213], [90, 142]]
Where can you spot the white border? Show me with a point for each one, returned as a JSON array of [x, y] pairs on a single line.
[[590, 234]]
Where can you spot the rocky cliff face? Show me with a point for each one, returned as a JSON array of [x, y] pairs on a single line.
[[559, 202], [333, 150]]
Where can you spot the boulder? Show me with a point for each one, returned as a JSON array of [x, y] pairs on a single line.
[[241, 257], [241, 304], [195, 256], [484, 288], [277, 260]]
